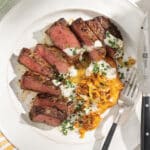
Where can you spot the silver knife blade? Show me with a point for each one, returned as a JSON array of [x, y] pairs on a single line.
[[144, 60]]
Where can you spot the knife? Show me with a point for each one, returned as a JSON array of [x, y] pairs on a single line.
[[145, 87]]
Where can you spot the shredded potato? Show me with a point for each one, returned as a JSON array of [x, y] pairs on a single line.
[[90, 122], [98, 90]]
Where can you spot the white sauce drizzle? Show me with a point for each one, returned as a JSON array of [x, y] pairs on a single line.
[[72, 71], [103, 66], [98, 44], [56, 82], [73, 51], [67, 92], [111, 40]]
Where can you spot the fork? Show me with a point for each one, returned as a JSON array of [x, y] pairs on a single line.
[[127, 98]]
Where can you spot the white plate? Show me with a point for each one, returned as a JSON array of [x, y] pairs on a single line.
[[17, 30]]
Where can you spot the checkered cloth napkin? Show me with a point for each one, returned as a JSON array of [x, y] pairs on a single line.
[[5, 144]]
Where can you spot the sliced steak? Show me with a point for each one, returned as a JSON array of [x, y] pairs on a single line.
[[88, 38], [54, 57], [98, 54], [114, 31], [53, 101], [109, 26], [62, 36], [49, 115], [38, 83], [35, 63], [96, 26], [105, 22], [83, 32], [99, 25]]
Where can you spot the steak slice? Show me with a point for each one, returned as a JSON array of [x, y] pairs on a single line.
[[96, 26], [53, 101], [98, 54], [49, 115], [62, 36], [54, 57], [109, 26], [83, 32], [88, 38], [99, 25], [35, 63], [38, 83]]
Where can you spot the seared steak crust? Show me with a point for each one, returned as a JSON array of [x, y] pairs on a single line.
[[99, 25], [50, 109], [83, 32], [49, 115], [35, 63], [97, 28], [53, 56], [98, 54], [53, 101], [38, 83], [109, 26]]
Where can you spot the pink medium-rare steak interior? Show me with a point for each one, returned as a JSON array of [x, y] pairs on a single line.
[[35, 63], [62, 36], [54, 57]]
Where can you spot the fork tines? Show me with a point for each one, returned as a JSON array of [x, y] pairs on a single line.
[[131, 90]]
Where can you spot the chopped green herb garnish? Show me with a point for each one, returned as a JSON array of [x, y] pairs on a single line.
[[79, 106], [65, 126], [103, 73], [74, 51], [105, 69], [102, 65], [72, 97], [96, 68], [60, 77], [69, 84], [121, 74], [112, 43], [125, 63], [108, 66], [107, 34]]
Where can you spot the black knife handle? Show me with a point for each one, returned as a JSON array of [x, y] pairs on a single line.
[[109, 137], [145, 123]]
